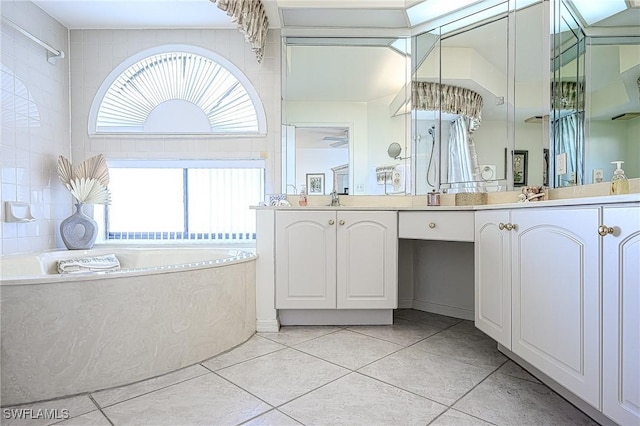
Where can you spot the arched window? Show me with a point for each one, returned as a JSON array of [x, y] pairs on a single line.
[[177, 89]]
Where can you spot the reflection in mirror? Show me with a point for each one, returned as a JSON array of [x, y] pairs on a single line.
[[323, 150], [597, 50], [567, 99], [613, 100], [469, 146], [347, 83], [532, 86]]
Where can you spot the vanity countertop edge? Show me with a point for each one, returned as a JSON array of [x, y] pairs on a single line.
[[610, 199]]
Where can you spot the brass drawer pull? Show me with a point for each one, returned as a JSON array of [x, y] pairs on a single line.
[[341, 222], [331, 221], [432, 225]]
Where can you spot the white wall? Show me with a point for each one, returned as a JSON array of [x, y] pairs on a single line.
[[29, 147], [35, 127], [95, 53]]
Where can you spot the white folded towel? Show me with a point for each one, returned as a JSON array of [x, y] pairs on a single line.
[[108, 262]]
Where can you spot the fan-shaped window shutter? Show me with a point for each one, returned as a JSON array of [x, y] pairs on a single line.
[[177, 89]]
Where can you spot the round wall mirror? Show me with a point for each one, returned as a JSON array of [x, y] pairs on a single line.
[[394, 150]]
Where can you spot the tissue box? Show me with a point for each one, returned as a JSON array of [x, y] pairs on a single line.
[[471, 198]]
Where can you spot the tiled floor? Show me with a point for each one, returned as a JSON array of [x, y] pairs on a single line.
[[424, 369]]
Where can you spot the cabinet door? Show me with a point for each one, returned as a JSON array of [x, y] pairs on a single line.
[[305, 260], [556, 304], [621, 315], [367, 264], [493, 275]]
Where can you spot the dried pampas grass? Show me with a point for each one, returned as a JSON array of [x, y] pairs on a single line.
[[88, 181]]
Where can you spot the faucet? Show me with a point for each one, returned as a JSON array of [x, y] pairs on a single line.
[[335, 199]]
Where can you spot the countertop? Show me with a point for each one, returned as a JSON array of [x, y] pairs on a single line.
[[380, 205]]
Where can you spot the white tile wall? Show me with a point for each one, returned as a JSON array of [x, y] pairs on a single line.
[[49, 118], [34, 128], [95, 53]]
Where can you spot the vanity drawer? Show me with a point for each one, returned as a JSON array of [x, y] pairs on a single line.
[[446, 226]]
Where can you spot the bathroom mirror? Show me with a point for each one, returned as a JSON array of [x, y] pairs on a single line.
[[532, 90], [340, 95], [456, 149], [599, 49], [613, 105]]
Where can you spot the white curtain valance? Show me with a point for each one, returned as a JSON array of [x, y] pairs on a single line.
[[251, 19], [431, 96]]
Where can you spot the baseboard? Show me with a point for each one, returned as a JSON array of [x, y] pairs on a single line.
[[559, 389], [450, 311], [267, 326], [405, 303], [336, 316]]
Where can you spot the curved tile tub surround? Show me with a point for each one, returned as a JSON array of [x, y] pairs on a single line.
[[67, 334]]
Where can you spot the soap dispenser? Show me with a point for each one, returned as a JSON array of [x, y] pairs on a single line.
[[303, 196], [619, 182]]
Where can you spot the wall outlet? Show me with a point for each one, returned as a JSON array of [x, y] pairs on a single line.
[[359, 187], [561, 164], [598, 175]]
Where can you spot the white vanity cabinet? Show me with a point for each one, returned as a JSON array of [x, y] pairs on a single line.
[[556, 295], [560, 288], [336, 259], [620, 230], [492, 258]]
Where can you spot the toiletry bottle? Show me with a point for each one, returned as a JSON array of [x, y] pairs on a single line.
[[619, 182], [303, 196]]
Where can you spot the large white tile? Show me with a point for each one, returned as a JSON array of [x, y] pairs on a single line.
[[510, 368], [402, 332], [470, 348], [457, 418], [441, 379], [292, 335], [348, 349], [94, 418], [252, 348], [272, 418], [112, 396], [205, 400], [282, 376], [360, 400], [48, 412], [506, 400], [467, 327]]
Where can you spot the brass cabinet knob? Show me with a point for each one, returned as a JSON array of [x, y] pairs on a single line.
[[341, 222], [432, 225], [510, 226], [501, 226], [331, 221], [604, 230]]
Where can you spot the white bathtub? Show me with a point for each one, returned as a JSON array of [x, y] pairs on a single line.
[[167, 308]]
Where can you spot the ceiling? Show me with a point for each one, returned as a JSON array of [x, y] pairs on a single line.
[[137, 14]]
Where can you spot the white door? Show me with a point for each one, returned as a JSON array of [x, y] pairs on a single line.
[[621, 315], [305, 260], [556, 304], [493, 275], [367, 263]]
